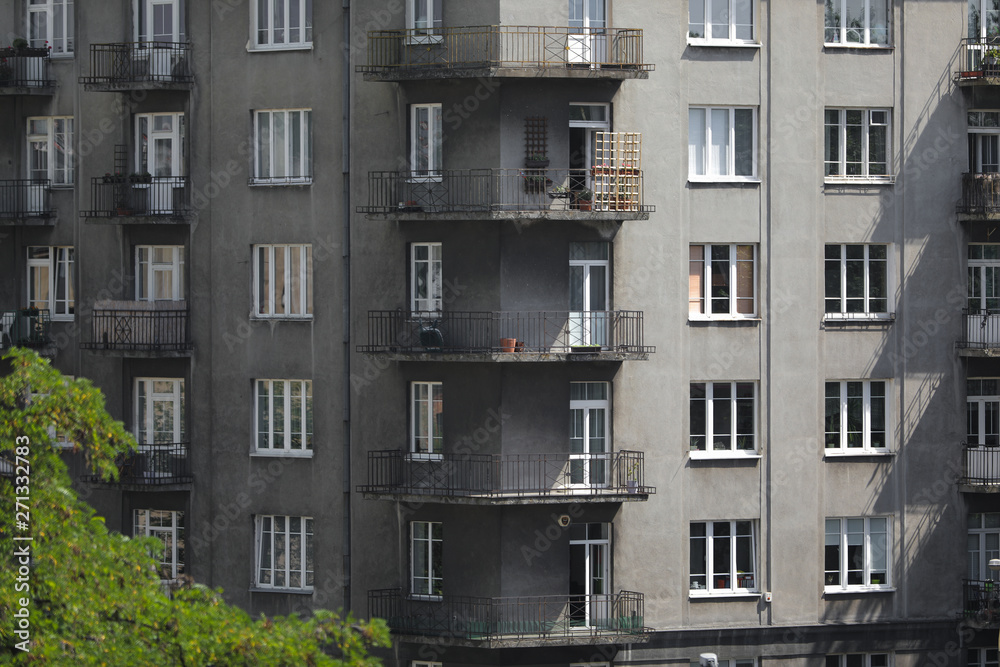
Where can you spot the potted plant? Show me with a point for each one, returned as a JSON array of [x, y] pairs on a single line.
[[559, 192], [991, 62], [409, 206], [19, 44], [137, 178], [584, 198], [585, 349], [632, 477], [536, 161], [536, 182]]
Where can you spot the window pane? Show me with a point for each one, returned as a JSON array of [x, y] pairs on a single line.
[[697, 414], [696, 273], [696, 142], [833, 414], [696, 19], [744, 142], [719, 149], [720, 279]]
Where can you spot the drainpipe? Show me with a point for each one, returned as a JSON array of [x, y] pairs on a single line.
[[346, 261]]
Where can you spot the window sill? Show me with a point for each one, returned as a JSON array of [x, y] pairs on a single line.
[[701, 319], [860, 590], [61, 318], [424, 179], [699, 594], [860, 318], [726, 180], [62, 56], [698, 455], [281, 453], [62, 187], [863, 454], [863, 47], [280, 318], [289, 591], [423, 39], [725, 43], [272, 49], [426, 598], [275, 182], [418, 456], [859, 180]]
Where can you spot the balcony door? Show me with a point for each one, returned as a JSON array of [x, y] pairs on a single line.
[[159, 151], [589, 575], [587, 41], [585, 122], [588, 293], [158, 22], [159, 423], [589, 438], [983, 323], [983, 545], [159, 273]]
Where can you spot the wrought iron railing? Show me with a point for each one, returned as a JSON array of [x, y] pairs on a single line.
[[129, 63], [141, 329], [506, 476], [978, 58], [981, 600], [980, 193], [982, 329], [24, 328], [24, 68], [153, 464], [25, 198], [113, 196], [552, 618], [505, 190], [980, 465], [515, 332], [453, 51]]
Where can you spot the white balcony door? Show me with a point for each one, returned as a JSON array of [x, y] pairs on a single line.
[[587, 42], [589, 438], [589, 574], [159, 143], [158, 21], [983, 322], [983, 545], [159, 421], [588, 293]]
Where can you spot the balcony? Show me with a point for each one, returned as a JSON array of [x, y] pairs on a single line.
[[164, 466], [979, 66], [981, 602], [28, 327], [605, 335], [485, 479], [25, 202], [25, 72], [139, 66], [537, 620], [504, 51], [139, 199], [508, 194], [981, 334], [980, 469], [141, 328], [980, 197]]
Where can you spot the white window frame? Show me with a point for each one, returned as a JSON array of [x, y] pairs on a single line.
[[841, 660], [435, 148], [434, 299], [706, 23], [173, 548], [285, 149], [52, 142], [147, 137], [731, 403], [734, 589], [841, 448], [265, 437], [984, 403], [58, 439], [63, 46], [425, 398], [867, 313], [978, 560], [266, 305], [701, 306], [983, 657], [841, 536], [984, 130], [59, 264], [305, 28], [870, 119], [145, 420], [143, 22], [433, 588], [429, 32], [146, 270], [713, 170], [841, 30], [274, 563]]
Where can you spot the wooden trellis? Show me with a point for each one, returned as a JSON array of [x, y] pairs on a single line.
[[536, 136], [617, 171]]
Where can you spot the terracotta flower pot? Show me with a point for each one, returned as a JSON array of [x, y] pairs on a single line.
[[508, 344]]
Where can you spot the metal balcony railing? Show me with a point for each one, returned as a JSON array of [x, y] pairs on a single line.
[[113, 196], [980, 194], [154, 465], [465, 50], [25, 198], [980, 465], [981, 331], [499, 191], [24, 328], [981, 601], [516, 332], [141, 326], [614, 617], [978, 59], [24, 68], [506, 476], [127, 64]]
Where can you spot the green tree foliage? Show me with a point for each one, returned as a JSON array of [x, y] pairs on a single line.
[[95, 596]]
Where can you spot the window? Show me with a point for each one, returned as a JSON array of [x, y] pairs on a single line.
[[425, 278], [857, 22], [159, 272], [50, 149], [425, 141], [423, 20], [723, 557], [983, 412], [983, 546], [283, 281], [856, 416], [159, 148], [858, 660], [166, 526], [159, 21], [159, 412], [723, 417], [721, 22], [50, 280], [50, 23], [427, 418], [60, 439], [590, 575], [984, 141], [283, 146], [856, 279], [426, 550], [281, 24], [722, 143], [984, 20], [722, 281], [284, 552], [589, 293], [856, 554], [982, 657], [283, 416], [589, 434], [857, 145]]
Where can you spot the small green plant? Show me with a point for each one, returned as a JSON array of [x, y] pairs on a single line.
[[20, 43], [584, 195]]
